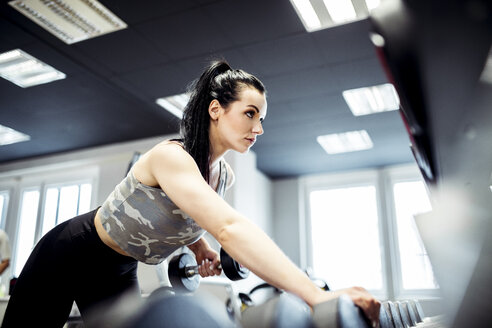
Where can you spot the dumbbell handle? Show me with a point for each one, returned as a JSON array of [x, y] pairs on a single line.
[[192, 270]]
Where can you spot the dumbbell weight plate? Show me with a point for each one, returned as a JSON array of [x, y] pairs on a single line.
[[232, 269], [177, 275], [395, 314], [385, 319]]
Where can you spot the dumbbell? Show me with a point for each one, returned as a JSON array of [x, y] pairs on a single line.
[[184, 276]]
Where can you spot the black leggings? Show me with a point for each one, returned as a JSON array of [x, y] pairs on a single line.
[[70, 263]]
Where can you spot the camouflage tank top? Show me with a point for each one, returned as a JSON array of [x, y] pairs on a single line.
[[146, 224]]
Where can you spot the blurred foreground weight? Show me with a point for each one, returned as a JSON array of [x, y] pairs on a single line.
[[340, 312]]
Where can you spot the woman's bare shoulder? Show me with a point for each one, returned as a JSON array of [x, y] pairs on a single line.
[[166, 156], [169, 152]]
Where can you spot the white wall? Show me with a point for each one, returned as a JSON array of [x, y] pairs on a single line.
[[251, 194], [286, 219]]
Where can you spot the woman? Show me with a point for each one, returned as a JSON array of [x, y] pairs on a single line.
[[93, 257]]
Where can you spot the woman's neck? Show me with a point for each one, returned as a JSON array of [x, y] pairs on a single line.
[[215, 159], [217, 151]]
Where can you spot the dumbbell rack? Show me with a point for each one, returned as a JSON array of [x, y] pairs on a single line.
[[284, 309], [407, 313]]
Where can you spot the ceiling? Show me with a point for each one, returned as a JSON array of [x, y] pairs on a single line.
[[113, 81]]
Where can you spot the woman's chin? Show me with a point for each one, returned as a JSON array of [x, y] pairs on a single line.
[[243, 150]]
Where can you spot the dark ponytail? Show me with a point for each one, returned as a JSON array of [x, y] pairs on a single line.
[[218, 81]]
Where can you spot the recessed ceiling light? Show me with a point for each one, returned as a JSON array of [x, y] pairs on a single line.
[[174, 104], [9, 136], [487, 71], [372, 4], [319, 14], [340, 10], [369, 100], [24, 70], [307, 14], [345, 142], [70, 20]]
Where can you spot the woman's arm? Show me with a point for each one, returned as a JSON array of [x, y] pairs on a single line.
[[179, 177], [4, 265]]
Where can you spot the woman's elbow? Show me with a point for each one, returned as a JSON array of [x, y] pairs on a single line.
[[227, 232], [224, 234]]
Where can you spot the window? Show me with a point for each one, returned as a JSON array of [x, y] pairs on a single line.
[[64, 202], [344, 226], [362, 232], [60, 203], [410, 199], [27, 228], [4, 201]]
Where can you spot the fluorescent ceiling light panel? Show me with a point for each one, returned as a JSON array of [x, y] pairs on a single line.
[[307, 14], [345, 142], [9, 136], [70, 20], [369, 100], [174, 104], [372, 4], [320, 14], [341, 11], [24, 70]]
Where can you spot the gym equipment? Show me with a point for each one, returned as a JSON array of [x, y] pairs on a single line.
[[387, 309], [419, 312], [340, 312], [166, 310], [184, 276], [283, 310], [405, 318], [405, 305], [246, 300], [183, 273], [385, 319], [232, 269], [406, 313], [395, 315], [321, 283], [336, 313], [263, 286]]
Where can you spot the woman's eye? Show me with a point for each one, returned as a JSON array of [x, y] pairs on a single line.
[[250, 114]]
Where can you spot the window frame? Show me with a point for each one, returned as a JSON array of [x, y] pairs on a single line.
[[9, 185], [16, 239], [41, 179], [5, 208], [335, 181], [391, 176], [383, 180], [59, 185]]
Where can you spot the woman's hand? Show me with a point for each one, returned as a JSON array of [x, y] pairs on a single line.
[[361, 297], [207, 258]]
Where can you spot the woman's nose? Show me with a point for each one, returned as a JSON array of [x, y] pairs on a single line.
[[258, 128]]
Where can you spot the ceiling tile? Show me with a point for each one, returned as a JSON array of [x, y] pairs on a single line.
[[185, 34], [283, 55]]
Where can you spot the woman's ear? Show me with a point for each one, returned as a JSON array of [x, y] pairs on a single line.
[[214, 109]]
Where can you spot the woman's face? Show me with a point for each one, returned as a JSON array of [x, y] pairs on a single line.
[[238, 125]]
